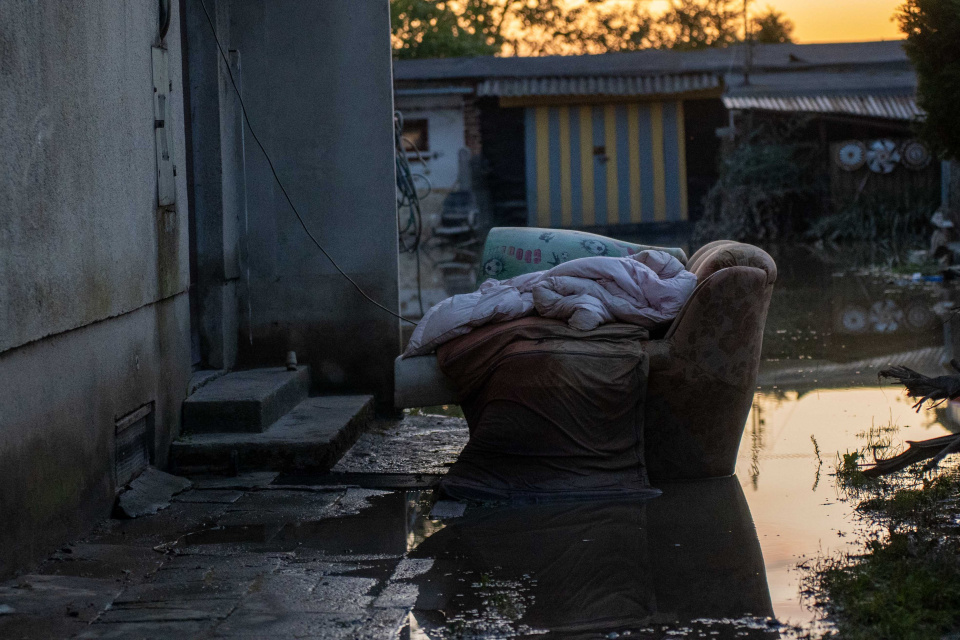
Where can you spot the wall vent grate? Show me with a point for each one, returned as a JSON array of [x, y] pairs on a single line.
[[134, 433]]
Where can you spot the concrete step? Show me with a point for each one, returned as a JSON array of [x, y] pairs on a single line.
[[245, 401], [312, 437]]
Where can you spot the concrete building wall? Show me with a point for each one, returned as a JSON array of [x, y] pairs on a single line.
[[80, 220], [94, 318], [59, 400], [216, 182], [317, 83]]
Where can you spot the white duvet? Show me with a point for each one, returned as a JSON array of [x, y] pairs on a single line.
[[644, 289]]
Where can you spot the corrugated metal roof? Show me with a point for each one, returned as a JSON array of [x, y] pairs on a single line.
[[824, 82], [877, 106], [598, 85], [873, 79], [766, 57]]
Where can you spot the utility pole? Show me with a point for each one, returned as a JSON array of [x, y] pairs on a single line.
[[748, 43]]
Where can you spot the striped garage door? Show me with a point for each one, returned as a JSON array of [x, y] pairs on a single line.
[[605, 164]]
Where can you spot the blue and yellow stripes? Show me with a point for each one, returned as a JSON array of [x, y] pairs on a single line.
[[605, 164], [588, 215]]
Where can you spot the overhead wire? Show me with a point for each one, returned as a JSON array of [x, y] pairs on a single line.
[[276, 177]]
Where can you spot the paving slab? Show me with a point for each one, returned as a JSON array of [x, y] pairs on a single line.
[[150, 492], [161, 592], [312, 436], [40, 627], [182, 630], [41, 606], [104, 561], [410, 568], [397, 594], [164, 528], [235, 558], [279, 507], [304, 591], [216, 496], [248, 401], [255, 623], [252, 480], [169, 611], [211, 569]]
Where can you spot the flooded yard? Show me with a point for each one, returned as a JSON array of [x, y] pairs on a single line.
[[370, 551], [687, 564]]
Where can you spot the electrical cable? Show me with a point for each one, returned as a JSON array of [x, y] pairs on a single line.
[[409, 196], [246, 118]]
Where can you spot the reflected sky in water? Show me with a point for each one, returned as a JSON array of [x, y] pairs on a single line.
[[796, 506], [833, 325]]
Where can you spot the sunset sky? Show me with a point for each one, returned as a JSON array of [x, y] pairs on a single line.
[[833, 20], [840, 20]]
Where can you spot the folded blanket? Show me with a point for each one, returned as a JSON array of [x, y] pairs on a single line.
[[645, 289]]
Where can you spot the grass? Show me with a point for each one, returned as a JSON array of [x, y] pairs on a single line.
[[904, 587], [904, 584]]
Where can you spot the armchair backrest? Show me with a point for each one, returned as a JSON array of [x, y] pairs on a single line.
[[722, 254], [732, 278]]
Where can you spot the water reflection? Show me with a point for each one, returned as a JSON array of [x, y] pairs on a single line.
[[833, 324], [578, 569]]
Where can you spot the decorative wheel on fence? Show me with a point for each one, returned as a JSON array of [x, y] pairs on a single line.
[[915, 155], [851, 155], [919, 315], [882, 156], [885, 316], [851, 319]]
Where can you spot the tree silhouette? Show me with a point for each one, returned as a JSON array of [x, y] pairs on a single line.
[[772, 27], [452, 28], [932, 28]]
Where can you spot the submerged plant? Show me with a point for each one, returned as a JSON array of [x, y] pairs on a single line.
[[893, 225]]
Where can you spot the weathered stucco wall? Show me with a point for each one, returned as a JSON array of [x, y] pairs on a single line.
[[94, 318], [317, 83], [59, 400], [79, 229]]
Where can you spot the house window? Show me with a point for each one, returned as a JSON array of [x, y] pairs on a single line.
[[415, 137]]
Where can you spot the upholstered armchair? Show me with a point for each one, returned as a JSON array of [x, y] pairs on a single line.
[[702, 369]]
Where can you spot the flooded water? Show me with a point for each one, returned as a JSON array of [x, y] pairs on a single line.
[[833, 325], [713, 559], [835, 320]]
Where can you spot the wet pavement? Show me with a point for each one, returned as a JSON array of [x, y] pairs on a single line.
[[368, 552]]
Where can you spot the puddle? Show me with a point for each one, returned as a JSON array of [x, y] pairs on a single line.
[[385, 524], [572, 569]]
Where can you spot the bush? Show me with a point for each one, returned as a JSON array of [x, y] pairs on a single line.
[[891, 226], [768, 183]]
